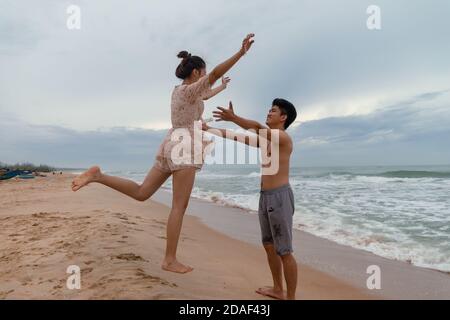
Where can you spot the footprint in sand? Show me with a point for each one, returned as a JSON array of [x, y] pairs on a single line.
[[25, 280], [40, 215], [3, 294], [141, 273], [159, 221], [125, 218], [119, 214], [160, 296], [86, 270], [15, 235], [128, 257]]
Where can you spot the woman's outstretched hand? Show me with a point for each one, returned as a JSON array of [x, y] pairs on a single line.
[[205, 126], [247, 43], [225, 66], [225, 81]]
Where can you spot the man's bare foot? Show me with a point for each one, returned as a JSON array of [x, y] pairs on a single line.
[[86, 178], [176, 267], [272, 293]]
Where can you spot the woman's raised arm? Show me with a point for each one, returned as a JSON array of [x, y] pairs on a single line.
[[225, 66]]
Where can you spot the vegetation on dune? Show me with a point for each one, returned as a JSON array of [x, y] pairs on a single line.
[[28, 166]]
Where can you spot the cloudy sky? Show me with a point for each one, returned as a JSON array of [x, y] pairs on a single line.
[[101, 94]]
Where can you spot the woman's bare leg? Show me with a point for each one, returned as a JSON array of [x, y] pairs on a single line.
[[183, 181], [155, 178]]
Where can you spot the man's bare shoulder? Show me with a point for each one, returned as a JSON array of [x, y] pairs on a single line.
[[285, 138]]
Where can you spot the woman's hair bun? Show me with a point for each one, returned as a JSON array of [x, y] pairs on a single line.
[[183, 54]]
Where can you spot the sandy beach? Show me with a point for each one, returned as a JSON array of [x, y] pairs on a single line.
[[119, 243]]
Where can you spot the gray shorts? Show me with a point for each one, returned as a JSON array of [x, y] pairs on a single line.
[[276, 210]]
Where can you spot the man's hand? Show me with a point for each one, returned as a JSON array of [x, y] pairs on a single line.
[[225, 114], [229, 115]]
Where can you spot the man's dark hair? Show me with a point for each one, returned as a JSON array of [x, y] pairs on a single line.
[[286, 108]]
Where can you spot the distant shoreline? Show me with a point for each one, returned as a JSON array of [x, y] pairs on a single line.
[[36, 168]]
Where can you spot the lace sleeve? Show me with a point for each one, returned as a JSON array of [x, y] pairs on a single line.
[[198, 89], [206, 94]]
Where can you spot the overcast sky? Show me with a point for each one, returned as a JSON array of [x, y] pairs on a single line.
[[101, 94]]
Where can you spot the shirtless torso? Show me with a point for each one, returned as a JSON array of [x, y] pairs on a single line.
[[281, 177]]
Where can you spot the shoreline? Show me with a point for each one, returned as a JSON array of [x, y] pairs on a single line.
[[243, 210], [399, 279], [119, 243]]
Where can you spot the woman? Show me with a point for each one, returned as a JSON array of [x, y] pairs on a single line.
[[187, 108]]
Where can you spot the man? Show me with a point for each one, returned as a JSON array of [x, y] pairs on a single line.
[[276, 204]]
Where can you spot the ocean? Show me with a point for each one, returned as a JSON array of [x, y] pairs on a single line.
[[400, 213]]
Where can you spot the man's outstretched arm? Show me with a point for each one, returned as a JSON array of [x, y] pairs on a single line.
[[250, 140], [247, 124], [229, 115]]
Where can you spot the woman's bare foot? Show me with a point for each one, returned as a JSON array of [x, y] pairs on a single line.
[[272, 293], [85, 178], [176, 267]]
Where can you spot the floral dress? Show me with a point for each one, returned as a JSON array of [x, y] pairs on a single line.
[[185, 145]]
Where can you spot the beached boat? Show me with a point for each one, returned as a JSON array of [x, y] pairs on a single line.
[[25, 176], [15, 173]]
